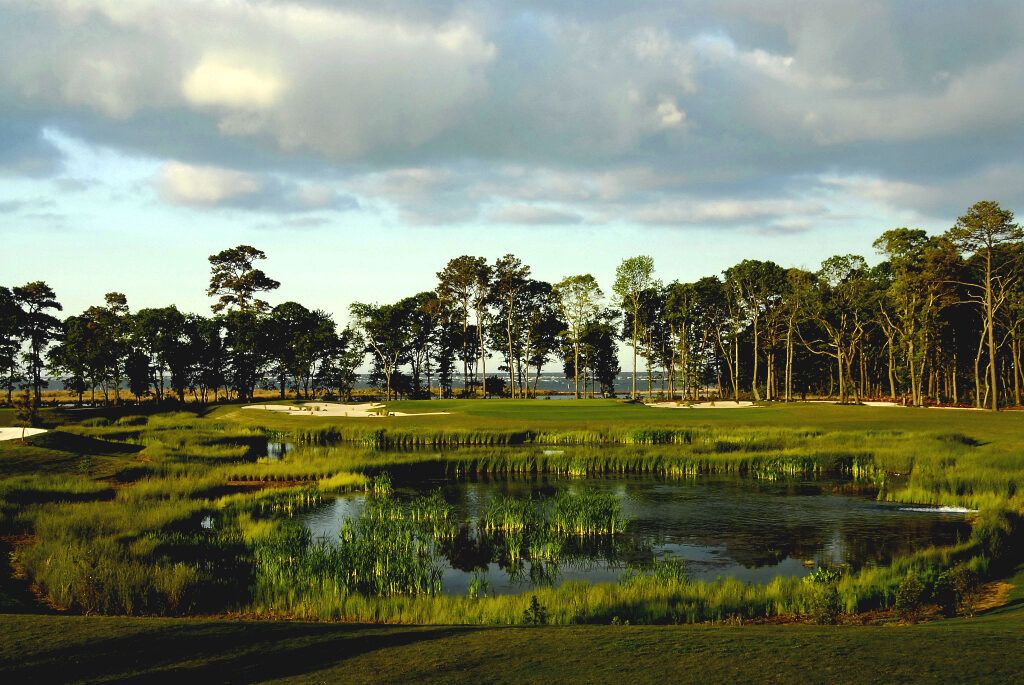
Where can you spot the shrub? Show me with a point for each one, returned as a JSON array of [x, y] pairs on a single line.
[[946, 593], [825, 604], [910, 598], [536, 614], [496, 386], [955, 589]]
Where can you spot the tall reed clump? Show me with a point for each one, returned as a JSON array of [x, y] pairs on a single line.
[[379, 556], [434, 514], [588, 513]]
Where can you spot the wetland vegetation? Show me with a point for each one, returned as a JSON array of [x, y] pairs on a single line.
[[185, 513]]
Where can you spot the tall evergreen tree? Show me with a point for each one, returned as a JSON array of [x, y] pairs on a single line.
[[38, 327]]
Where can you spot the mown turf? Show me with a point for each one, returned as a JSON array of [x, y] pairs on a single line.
[[46, 648], [597, 414]]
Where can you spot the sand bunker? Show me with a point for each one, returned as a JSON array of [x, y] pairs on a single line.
[[368, 410], [720, 404], [14, 432]]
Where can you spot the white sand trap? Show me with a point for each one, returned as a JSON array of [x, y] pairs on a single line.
[[14, 432], [368, 410], [719, 404], [963, 408], [868, 403]]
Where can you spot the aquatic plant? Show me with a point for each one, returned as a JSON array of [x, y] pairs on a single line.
[[587, 513], [435, 515], [478, 585]]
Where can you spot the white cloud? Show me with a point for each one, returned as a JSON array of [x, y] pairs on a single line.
[[316, 196], [725, 211], [670, 114], [229, 82], [447, 112], [204, 185], [533, 215], [334, 82], [943, 199], [978, 98]]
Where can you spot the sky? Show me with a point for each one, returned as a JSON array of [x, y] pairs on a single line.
[[362, 145]]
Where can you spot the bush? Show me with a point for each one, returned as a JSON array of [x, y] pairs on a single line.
[[496, 386], [536, 614], [947, 596], [825, 604], [955, 589], [910, 598]]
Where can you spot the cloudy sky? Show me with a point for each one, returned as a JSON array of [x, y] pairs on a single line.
[[363, 144]]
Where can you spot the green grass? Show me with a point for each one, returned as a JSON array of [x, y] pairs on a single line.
[[598, 414], [983, 649]]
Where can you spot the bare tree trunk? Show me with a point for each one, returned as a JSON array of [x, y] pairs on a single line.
[[636, 336], [753, 385], [524, 376], [483, 356], [977, 373], [789, 360], [736, 371], [839, 369], [991, 334], [1016, 370], [511, 359], [892, 372]]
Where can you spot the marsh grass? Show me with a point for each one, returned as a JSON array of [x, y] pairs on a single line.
[[140, 548]]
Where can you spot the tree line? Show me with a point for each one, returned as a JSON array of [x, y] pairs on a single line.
[[939, 319]]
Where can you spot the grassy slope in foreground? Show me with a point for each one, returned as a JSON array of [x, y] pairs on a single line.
[[986, 648]]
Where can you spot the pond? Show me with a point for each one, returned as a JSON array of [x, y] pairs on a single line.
[[748, 529]]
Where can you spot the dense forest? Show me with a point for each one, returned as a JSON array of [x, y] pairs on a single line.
[[939, 320]]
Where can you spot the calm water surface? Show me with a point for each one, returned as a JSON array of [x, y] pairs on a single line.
[[748, 529]]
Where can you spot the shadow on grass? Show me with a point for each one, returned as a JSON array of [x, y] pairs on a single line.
[[220, 652], [82, 444]]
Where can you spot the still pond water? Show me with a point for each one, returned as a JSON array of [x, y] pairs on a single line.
[[748, 529]]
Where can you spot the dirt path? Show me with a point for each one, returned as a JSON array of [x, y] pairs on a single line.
[[993, 595]]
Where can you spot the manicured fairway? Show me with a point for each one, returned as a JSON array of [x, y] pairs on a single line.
[[597, 414]]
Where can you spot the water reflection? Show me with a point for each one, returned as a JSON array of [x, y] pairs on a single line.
[[750, 530], [277, 450]]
